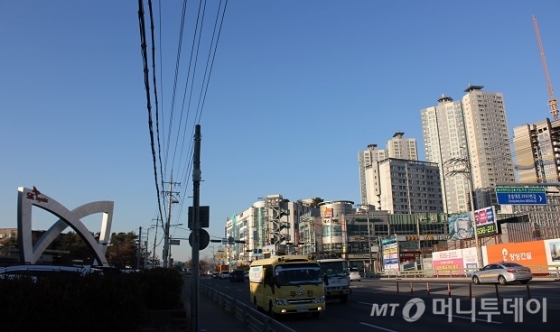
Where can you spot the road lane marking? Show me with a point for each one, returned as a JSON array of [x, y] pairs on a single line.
[[378, 327]]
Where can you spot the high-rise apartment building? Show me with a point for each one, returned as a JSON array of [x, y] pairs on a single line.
[[409, 187], [398, 147], [489, 143], [445, 139], [469, 139], [402, 148], [366, 159], [537, 151]]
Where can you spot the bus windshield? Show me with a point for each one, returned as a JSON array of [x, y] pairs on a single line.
[[297, 274], [335, 269]]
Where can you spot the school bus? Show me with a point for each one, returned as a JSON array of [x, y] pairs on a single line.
[[290, 284]]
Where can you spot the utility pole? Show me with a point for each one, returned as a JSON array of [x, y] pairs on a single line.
[[465, 170], [155, 239], [165, 254], [139, 248], [196, 229], [147, 254]]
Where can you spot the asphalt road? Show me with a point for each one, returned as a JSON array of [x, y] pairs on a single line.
[[364, 310]]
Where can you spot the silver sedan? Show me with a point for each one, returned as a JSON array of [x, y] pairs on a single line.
[[503, 273]]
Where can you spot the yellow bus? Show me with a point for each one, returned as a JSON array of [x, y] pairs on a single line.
[[290, 284]]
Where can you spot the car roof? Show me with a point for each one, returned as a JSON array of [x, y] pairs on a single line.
[[38, 267]]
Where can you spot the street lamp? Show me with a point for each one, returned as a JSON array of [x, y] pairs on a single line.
[[175, 225], [369, 234]]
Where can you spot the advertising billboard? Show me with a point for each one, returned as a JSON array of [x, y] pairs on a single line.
[[458, 261], [531, 254], [485, 220], [552, 248], [461, 226], [390, 249]]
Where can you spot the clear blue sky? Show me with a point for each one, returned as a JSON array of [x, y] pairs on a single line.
[[297, 89]]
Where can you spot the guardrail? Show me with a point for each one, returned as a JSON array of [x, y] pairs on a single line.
[[255, 320], [538, 271]]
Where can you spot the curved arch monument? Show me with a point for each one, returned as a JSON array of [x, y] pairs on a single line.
[[29, 253]]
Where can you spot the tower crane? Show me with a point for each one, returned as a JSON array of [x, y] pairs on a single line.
[[552, 102]]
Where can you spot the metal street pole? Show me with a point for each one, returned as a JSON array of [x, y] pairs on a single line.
[[369, 242], [369, 237], [165, 253], [195, 230], [172, 200], [146, 256], [478, 248], [139, 248], [155, 239], [169, 250], [468, 174]]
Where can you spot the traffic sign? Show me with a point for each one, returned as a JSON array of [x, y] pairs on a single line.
[[203, 240], [521, 195]]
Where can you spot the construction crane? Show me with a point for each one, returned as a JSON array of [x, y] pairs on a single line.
[[552, 101]]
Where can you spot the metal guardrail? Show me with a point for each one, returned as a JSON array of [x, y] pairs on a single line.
[[255, 320], [538, 271]]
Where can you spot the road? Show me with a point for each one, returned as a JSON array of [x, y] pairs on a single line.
[[364, 310]]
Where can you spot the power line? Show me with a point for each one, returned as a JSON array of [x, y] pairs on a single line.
[[147, 86]]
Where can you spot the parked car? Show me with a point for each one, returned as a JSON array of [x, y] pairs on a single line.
[[355, 274], [237, 276], [224, 275], [38, 270], [503, 273], [215, 275]]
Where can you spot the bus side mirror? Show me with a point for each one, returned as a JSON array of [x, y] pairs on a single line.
[[326, 279], [274, 282]]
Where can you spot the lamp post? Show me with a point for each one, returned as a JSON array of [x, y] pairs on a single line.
[[369, 236], [175, 225]]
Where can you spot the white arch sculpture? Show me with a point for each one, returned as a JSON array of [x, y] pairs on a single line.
[[27, 198]]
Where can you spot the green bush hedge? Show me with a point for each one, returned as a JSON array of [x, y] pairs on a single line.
[[93, 302]]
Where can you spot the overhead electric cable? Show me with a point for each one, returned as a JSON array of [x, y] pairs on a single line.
[[147, 86]]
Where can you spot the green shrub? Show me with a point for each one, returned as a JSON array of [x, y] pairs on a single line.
[[60, 302]]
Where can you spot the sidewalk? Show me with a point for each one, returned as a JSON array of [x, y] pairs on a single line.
[[211, 317]]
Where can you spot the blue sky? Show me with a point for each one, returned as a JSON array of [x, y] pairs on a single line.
[[297, 89]]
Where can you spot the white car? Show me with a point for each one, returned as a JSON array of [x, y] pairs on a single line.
[[38, 270], [355, 274]]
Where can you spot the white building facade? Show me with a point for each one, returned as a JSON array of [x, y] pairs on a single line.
[[470, 142], [410, 187], [398, 147]]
